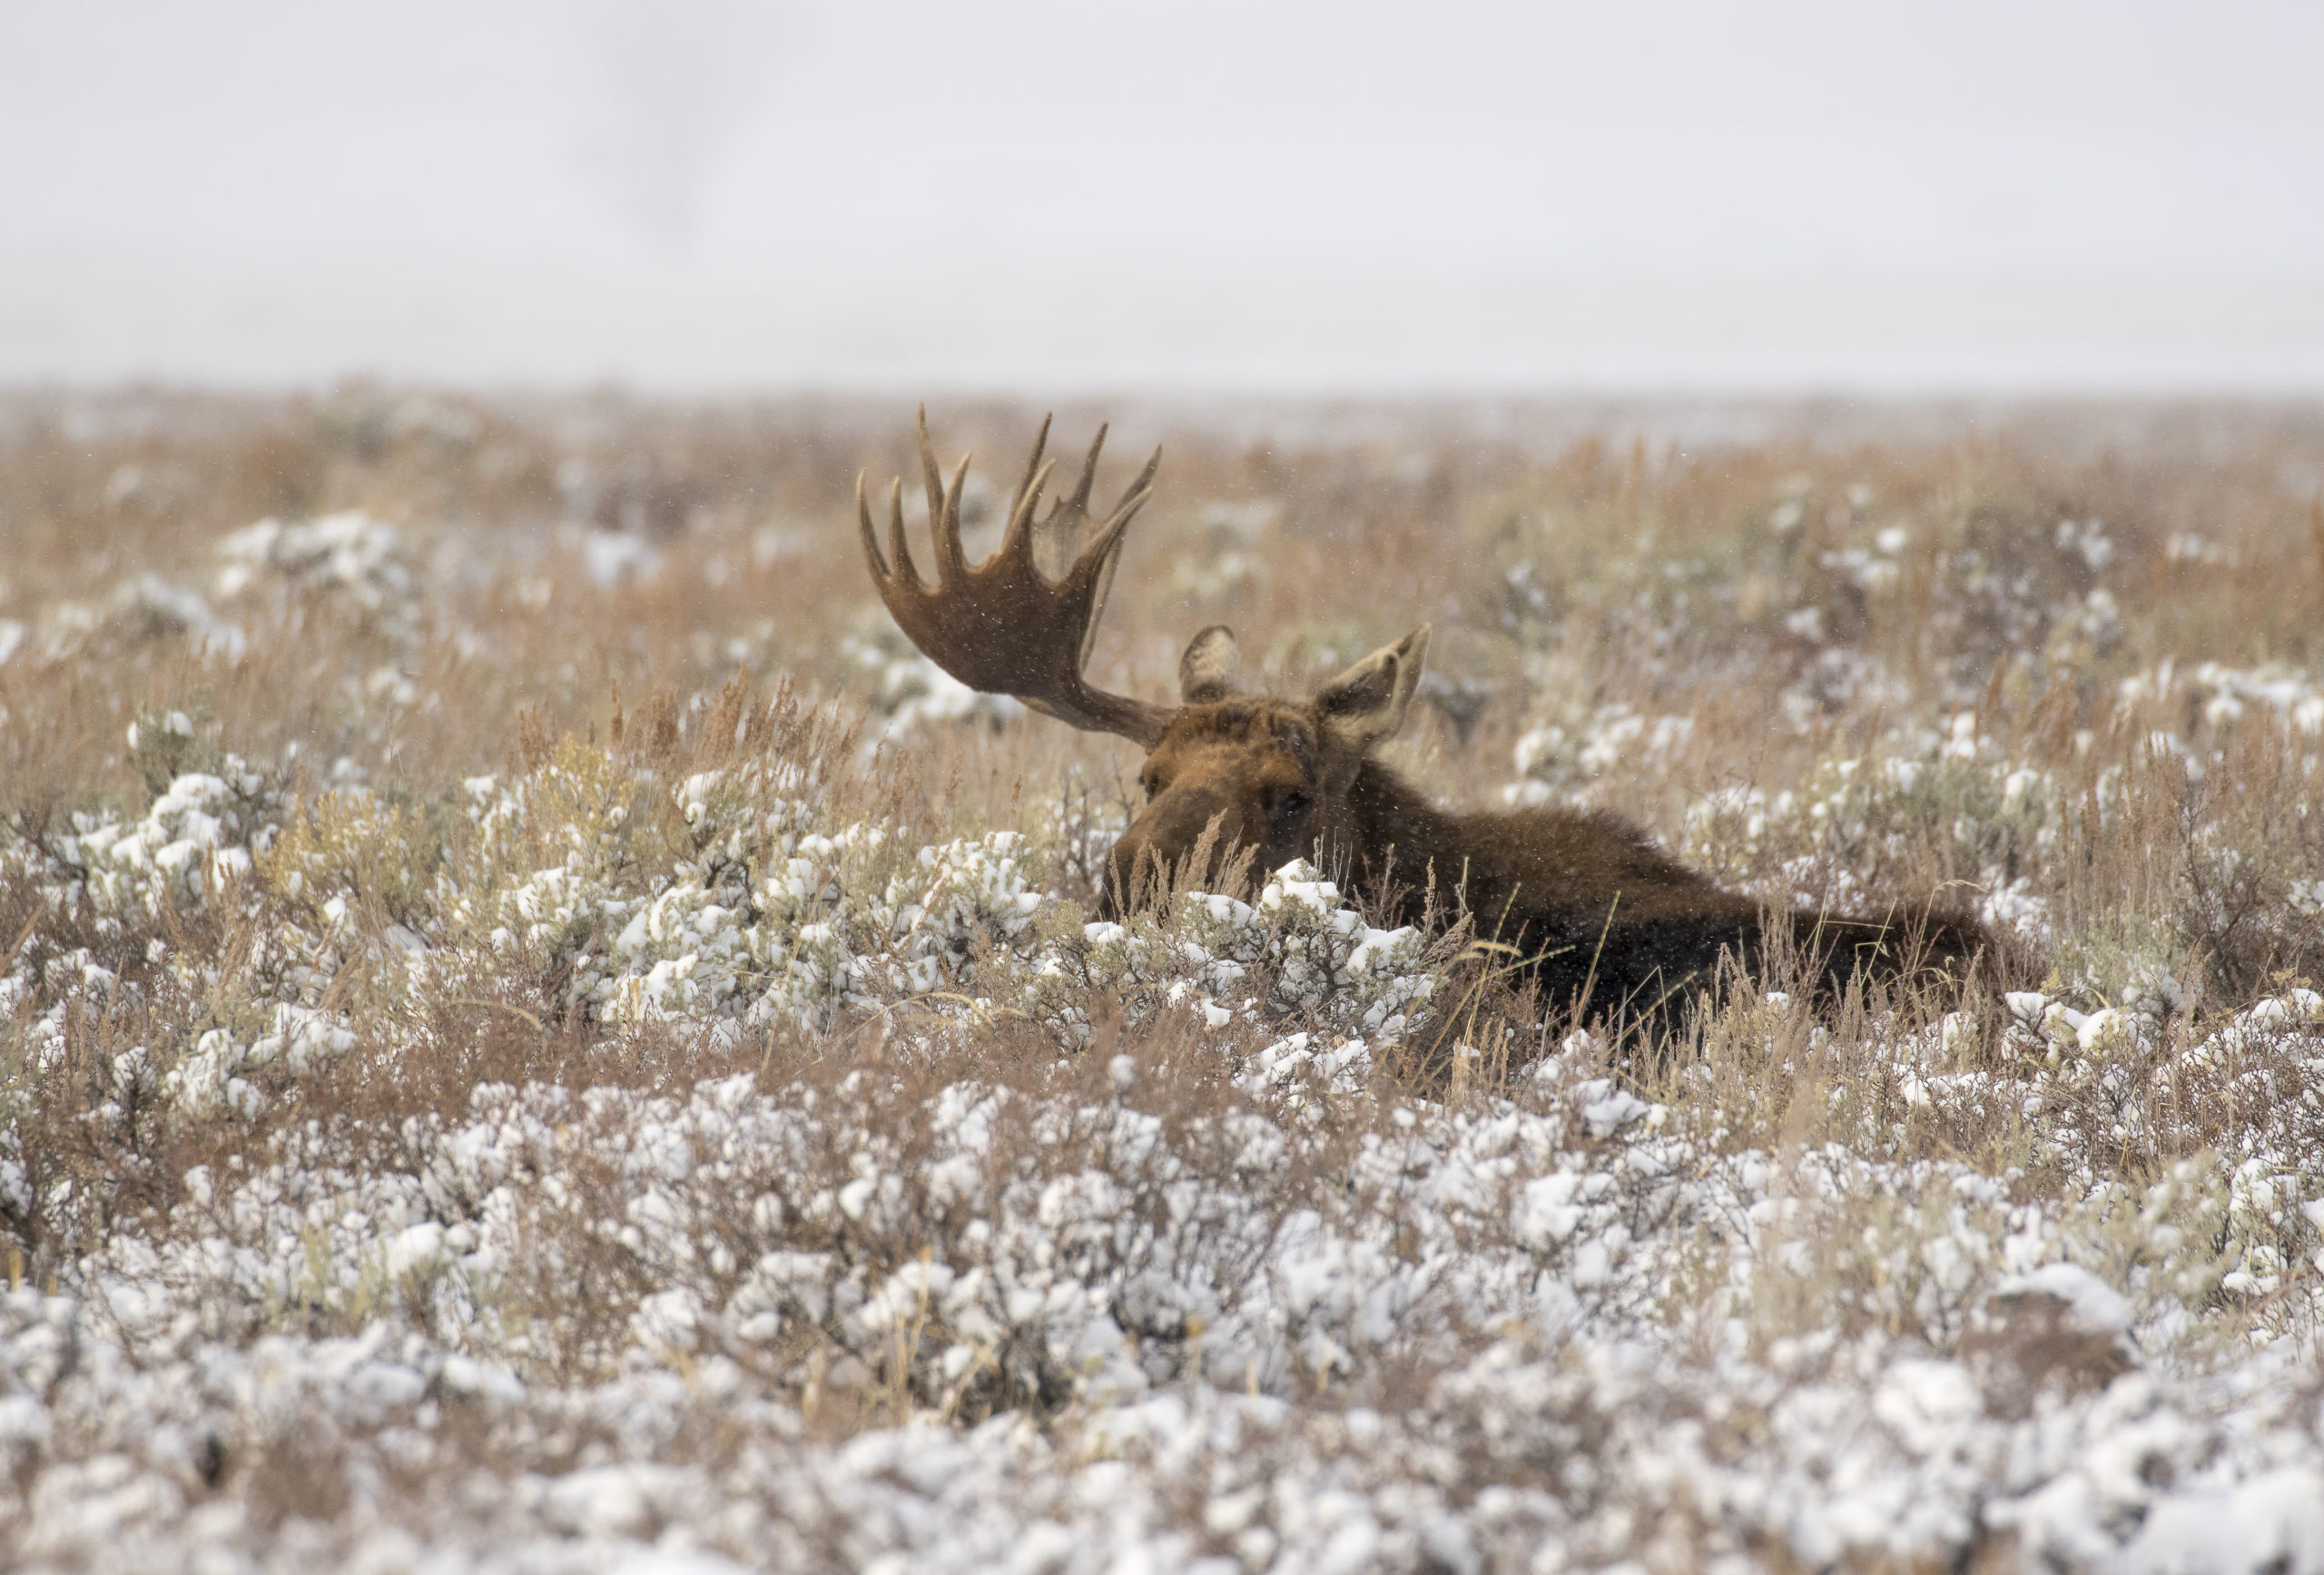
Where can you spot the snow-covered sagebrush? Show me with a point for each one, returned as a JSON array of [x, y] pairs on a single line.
[[436, 1139], [1563, 1321]]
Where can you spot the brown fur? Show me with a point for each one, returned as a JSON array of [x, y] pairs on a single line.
[[1613, 926]]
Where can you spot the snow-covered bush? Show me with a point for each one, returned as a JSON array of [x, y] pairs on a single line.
[[721, 1137]]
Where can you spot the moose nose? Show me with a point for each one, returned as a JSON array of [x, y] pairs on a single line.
[[1131, 860], [1159, 841]]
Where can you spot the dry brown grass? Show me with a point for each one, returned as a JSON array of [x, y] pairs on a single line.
[[1568, 581], [1653, 576]]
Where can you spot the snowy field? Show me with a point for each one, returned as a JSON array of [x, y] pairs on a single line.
[[539, 1035]]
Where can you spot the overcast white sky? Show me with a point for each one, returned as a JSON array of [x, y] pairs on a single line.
[[1696, 194]]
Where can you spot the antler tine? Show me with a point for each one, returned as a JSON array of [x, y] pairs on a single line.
[[933, 476], [1110, 534], [1080, 502], [1143, 486], [871, 537], [951, 557], [1019, 542], [898, 549], [1095, 562], [1025, 483], [1092, 577]]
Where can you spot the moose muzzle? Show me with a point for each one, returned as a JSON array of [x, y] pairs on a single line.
[[1160, 845]]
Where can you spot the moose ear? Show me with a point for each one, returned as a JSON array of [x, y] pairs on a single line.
[[1367, 702], [1207, 672]]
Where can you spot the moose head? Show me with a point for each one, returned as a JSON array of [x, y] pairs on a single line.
[[1233, 781]]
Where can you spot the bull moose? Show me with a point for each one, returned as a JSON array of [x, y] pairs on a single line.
[[1611, 925]]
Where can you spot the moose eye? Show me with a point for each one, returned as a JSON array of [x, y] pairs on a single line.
[[1289, 807]]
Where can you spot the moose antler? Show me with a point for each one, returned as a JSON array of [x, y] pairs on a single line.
[[1002, 626]]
